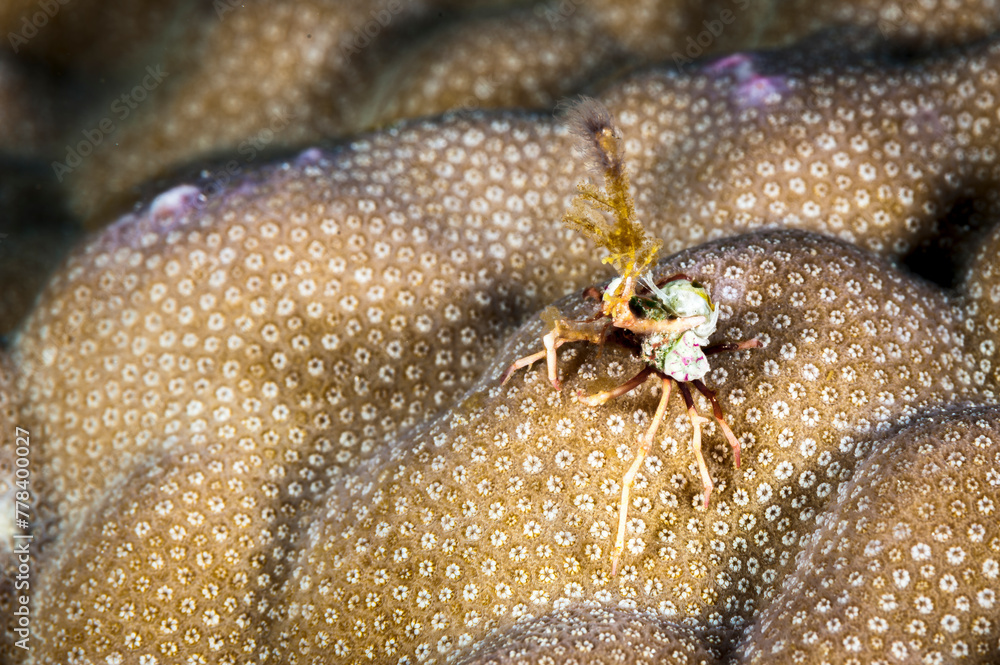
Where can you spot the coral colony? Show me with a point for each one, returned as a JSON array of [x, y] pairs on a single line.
[[668, 322]]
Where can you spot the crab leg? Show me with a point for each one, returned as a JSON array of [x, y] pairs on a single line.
[[591, 330], [598, 399], [552, 342], [717, 410], [696, 422], [645, 443], [729, 346], [519, 363]]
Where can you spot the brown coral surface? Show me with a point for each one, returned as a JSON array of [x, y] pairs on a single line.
[[254, 75], [874, 153], [493, 520], [905, 566], [264, 410], [497, 521]]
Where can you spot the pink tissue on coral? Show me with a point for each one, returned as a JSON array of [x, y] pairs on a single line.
[[174, 203], [753, 88], [736, 60]]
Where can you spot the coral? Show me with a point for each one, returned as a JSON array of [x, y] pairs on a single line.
[[327, 305], [505, 509], [882, 154], [264, 75], [981, 289], [331, 322], [582, 635], [662, 29], [180, 531], [321, 84], [325, 77], [239, 395], [679, 30], [266, 416], [873, 153], [913, 25], [516, 60], [904, 566]]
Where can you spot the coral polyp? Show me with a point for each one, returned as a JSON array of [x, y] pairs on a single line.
[[668, 322]]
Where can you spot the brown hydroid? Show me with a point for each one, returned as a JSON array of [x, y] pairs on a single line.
[[631, 250]]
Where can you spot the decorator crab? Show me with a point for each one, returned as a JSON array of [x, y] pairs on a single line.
[[667, 322]]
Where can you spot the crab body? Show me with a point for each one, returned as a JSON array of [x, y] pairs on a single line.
[[679, 355], [667, 324]]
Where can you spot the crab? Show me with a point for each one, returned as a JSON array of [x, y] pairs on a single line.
[[667, 322]]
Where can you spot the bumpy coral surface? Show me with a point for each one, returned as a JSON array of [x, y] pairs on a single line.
[[904, 568], [674, 29], [372, 299], [982, 290], [513, 61], [262, 74], [582, 635], [498, 522], [495, 521], [922, 24], [872, 153], [264, 410], [273, 75]]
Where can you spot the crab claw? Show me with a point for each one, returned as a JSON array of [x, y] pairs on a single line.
[[518, 364]]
